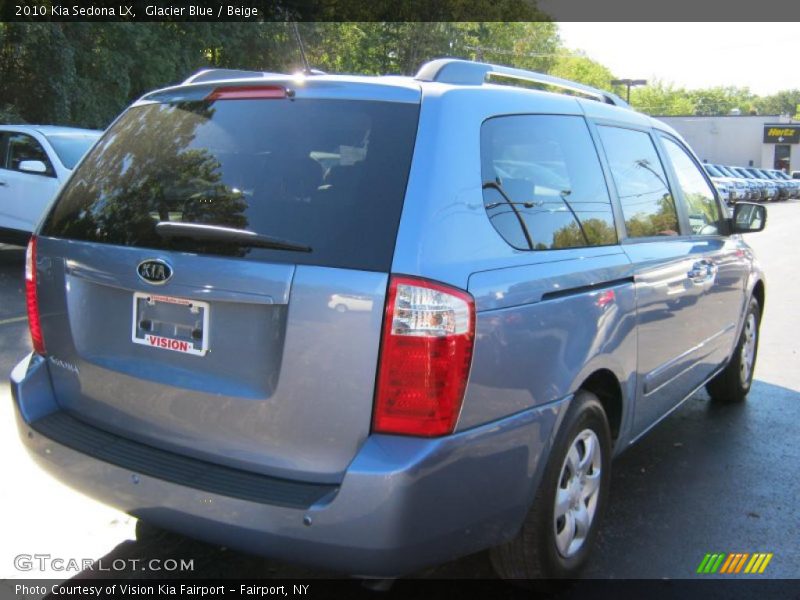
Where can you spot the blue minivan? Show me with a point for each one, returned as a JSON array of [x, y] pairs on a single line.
[[371, 324]]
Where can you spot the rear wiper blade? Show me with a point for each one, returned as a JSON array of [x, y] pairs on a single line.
[[216, 233]]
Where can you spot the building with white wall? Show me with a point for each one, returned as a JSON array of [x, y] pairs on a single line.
[[764, 141]]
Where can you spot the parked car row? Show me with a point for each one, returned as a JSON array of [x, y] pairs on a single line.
[[752, 183]]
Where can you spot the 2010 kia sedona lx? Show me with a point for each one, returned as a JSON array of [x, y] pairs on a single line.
[[376, 323]]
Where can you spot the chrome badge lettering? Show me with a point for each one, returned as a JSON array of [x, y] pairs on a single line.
[[154, 271]]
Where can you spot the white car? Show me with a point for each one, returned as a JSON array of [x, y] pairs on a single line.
[[34, 161]]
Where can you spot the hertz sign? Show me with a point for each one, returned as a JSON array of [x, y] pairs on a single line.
[[781, 134]]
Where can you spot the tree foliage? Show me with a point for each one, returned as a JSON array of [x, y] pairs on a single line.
[[786, 102], [660, 98], [578, 67], [85, 73]]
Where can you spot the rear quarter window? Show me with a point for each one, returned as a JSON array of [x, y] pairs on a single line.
[[329, 174], [543, 186]]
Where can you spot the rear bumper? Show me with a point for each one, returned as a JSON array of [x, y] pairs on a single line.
[[403, 504]]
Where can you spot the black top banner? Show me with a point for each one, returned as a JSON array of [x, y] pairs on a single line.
[[400, 11]]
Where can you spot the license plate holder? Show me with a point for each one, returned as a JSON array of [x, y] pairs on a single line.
[[170, 323]]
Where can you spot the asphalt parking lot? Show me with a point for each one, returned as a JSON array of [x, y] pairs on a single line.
[[710, 478]]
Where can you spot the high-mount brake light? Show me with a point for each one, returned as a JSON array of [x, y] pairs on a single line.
[[247, 92], [426, 355], [32, 298]]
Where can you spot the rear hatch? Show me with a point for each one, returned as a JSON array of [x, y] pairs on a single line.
[[212, 278]]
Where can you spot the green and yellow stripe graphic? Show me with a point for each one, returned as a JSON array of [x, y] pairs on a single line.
[[734, 562]]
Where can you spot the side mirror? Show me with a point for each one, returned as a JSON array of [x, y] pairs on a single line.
[[32, 166], [749, 217]]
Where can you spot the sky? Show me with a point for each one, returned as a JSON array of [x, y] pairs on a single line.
[[761, 56]]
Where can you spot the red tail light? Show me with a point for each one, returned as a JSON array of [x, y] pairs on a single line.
[[247, 92], [426, 354], [32, 298]]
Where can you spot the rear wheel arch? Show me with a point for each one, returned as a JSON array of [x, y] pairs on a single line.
[[604, 384], [604, 381]]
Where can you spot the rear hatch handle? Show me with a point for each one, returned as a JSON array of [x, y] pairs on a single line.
[[216, 233]]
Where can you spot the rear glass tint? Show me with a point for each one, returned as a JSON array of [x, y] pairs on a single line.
[[329, 174]]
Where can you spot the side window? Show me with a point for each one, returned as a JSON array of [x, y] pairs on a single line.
[[543, 187], [701, 205], [24, 147], [647, 203]]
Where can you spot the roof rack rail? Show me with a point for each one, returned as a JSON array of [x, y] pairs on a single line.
[[215, 74], [466, 72]]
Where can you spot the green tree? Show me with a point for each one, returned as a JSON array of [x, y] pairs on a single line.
[[721, 100], [523, 45], [659, 98], [576, 66], [37, 70], [85, 73], [780, 103], [400, 48]]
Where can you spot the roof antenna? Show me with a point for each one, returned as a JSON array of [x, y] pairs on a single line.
[[306, 67]]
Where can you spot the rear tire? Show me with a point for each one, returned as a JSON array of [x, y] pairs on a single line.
[[561, 525], [733, 383]]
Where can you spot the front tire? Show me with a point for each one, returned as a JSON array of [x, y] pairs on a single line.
[[733, 383], [561, 526]]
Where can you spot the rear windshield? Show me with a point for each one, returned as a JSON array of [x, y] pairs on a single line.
[[70, 147], [328, 174]]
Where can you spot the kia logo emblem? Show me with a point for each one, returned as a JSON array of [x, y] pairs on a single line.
[[155, 271]]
